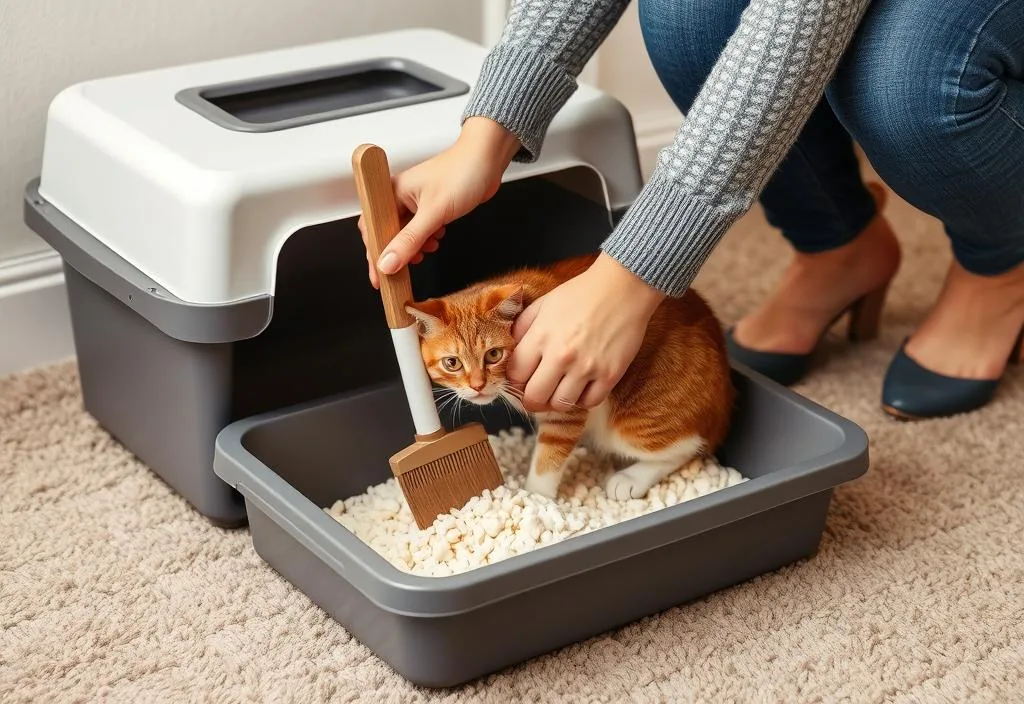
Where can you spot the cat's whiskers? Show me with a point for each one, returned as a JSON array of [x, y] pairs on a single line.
[[512, 391], [508, 408], [443, 394], [450, 403], [509, 395], [449, 400], [443, 391]]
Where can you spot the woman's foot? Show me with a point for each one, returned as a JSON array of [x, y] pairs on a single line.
[[955, 359], [972, 327], [816, 288]]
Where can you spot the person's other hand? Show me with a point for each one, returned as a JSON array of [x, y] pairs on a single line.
[[575, 343], [441, 189]]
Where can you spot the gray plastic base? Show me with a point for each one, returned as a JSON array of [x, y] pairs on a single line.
[[441, 632], [162, 398], [164, 376]]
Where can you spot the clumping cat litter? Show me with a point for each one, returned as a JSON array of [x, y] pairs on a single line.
[[511, 521]]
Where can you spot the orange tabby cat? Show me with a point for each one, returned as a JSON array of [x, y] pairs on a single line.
[[673, 403]]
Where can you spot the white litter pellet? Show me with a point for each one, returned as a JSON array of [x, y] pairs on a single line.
[[510, 521]]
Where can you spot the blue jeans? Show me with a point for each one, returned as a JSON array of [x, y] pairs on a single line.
[[933, 92]]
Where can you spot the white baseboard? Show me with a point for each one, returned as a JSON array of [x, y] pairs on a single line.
[[35, 324]]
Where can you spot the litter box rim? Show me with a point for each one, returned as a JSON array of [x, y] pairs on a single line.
[[411, 595]]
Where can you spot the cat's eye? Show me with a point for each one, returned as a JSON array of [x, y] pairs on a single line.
[[494, 355], [451, 364]]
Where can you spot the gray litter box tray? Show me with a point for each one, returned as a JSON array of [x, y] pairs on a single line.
[[441, 632]]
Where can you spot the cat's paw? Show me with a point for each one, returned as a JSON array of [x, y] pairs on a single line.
[[622, 487], [543, 484], [633, 482]]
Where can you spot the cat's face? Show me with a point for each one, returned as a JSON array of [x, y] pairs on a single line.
[[466, 340]]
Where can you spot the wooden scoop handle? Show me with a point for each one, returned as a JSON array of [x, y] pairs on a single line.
[[380, 219]]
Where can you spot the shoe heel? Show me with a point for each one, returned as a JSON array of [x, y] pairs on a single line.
[[866, 315]]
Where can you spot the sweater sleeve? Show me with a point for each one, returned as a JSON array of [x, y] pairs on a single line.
[[748, 114], [746, 117], [531, 72]]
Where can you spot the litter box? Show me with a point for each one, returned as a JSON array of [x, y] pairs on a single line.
[[437, 632], [206, 218]]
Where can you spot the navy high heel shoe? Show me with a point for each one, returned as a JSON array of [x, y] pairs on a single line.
[[911, 392], [786, 368]]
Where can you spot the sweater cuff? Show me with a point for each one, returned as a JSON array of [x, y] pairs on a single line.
[[522, 91], [666, 236]]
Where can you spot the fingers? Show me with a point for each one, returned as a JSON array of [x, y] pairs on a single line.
[[567, 394], [523, 362], [557, 382], [595, 394], [571, 391], [429, 247], [410, 240], [526, 355], [552, 382], [542, 384], [564, 382], [548, 382], [525, 319]]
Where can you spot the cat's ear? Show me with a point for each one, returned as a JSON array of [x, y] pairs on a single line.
[[505, 301], [429, 314]]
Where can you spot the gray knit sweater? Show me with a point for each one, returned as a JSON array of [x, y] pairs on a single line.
[[749, 112]]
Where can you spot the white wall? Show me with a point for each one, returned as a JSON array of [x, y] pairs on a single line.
[[46, 45]]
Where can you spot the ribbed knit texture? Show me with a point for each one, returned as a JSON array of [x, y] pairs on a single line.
[[530, 90], [749, 112]]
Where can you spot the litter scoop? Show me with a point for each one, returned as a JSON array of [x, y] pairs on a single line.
[[441, 470]]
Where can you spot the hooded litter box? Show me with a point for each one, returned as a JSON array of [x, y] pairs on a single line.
[[227, 334], [206, 216]]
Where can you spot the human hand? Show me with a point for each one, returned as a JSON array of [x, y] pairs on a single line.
[[441, 189], [575, 343]]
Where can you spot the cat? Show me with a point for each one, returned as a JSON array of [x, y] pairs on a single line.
[[673, 404]]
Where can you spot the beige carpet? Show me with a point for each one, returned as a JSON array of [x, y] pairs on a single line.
[[113, 590]]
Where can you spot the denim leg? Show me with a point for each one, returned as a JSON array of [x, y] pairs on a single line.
[[934, 93], [816, 196]]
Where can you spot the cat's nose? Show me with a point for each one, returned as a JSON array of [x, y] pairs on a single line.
[[477, 384]]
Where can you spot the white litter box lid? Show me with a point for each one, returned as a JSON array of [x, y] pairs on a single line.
[[202, 202]]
